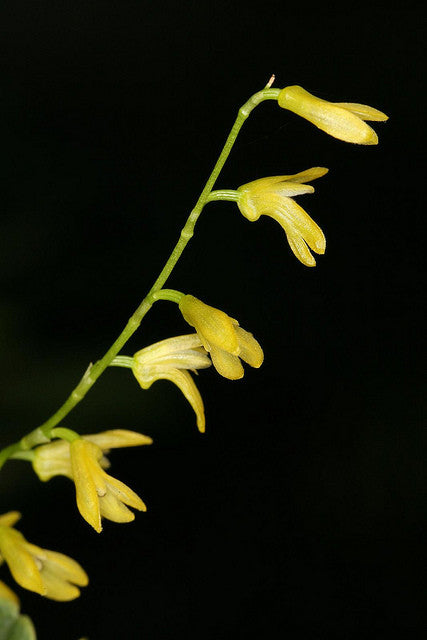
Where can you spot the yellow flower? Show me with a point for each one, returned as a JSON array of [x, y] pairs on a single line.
[[273, 197], [169, 360], [98, 494], [222, 337], [48, 573], [7, 594], [343, 120], [53, 459]]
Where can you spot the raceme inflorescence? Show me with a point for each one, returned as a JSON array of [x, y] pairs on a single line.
[[217, 339]]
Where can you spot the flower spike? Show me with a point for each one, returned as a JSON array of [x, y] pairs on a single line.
[[49, 573], [170, 359], [273, 197], [342, 120], [222, 337]]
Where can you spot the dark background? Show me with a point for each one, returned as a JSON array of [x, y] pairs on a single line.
[[301, 512]]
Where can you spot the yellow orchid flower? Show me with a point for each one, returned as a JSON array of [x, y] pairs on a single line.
[[343, 120], [53, 459], [273, 197], [99, 494], [170, 360], [222, 337], [49, 573]]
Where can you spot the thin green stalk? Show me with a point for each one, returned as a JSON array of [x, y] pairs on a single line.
[[224, 194], [94, 371]]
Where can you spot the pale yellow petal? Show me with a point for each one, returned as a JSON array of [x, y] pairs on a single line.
[[83, 463], [308, 175], [52, 459], [113, 509], [116, 438], [215, 328], [250, 349], [123, 493], [226, 364], [363, 111], [186, 384], [57, 589], [65, 568], [289, 189], [301, 250], [190, 359], [167, 347], [10, 518], [295, 219]]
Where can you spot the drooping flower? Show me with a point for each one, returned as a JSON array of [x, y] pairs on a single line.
[[170, 360], [49, 573], [53, 459], [99, 494], [343, 120], [222, 336], [273, 197]]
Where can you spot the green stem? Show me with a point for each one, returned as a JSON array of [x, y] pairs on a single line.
[[168, 294], [224, 194], [94, 371], [122, 361], [64, 434]]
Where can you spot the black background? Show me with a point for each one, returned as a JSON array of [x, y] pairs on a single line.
[[301, 512]]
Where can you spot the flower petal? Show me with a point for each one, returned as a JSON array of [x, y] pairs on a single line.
[[226, 364], [52, 459], [113, 509], [116, 438], [123, 493], [57, 589], [296, 220], [290, 189], [167, 347], [301, 250], [250, 349], [363, 111], [65, 568], [186, 384], [10, 518], [82, 454], [190, 359], [308, 175]]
